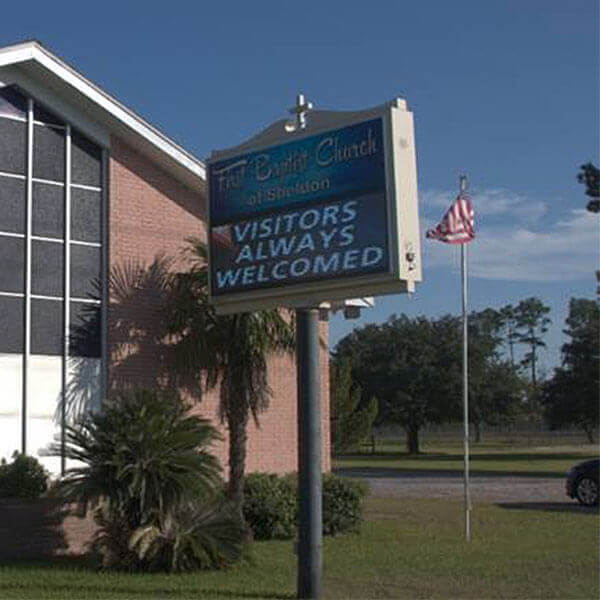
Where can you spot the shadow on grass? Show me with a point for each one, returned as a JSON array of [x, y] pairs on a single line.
[[378, 456], [84, 562], [570, 507], [102, 590], [509, 457], [401, 472]]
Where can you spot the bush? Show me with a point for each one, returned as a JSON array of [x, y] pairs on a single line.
[[23, 478], [270, 506], [342, 504], [206, 536], [193, 536], [148, 472]]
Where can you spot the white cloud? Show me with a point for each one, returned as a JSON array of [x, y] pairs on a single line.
[[514, 250], [489, 203]]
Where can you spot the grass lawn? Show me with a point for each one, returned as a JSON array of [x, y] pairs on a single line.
[[491, 457], [407, 549]]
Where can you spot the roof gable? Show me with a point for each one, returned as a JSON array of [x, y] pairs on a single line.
[[40, 65]]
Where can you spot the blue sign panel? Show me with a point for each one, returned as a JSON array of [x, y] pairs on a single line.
[[308, 210]]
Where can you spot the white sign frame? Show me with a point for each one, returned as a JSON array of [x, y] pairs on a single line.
[[403, 236]]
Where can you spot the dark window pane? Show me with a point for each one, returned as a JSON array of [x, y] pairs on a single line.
[[85, 271], [12, 103], [48, 153], [46, 326], [11, 324], [84, 337], [85, 215], [47, 268], [12, 264], [48, 210], [45, 116], [12, 204], [13, 146], [86, 161]]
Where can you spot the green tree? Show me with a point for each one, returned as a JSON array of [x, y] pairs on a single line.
[[495, 395], [485, 331], [495, 387], [350, 422], [426, 367], [589, 175], [230, 352], [412, 365], [532, 324], [571, 397], [415, 367], [509, 325]]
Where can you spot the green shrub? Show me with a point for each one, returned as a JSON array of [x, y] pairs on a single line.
[[23, 478], [194, 536], [206, 536], [342, 504], [148, 472], [270, 506]]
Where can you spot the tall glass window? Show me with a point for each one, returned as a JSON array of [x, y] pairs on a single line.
[[51, 282]]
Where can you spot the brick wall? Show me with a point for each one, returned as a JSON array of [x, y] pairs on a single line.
[[151, 214], [34, 529]]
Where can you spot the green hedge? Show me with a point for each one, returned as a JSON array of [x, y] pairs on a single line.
[[271, 505]]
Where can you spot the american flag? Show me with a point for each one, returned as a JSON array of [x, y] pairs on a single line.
[[457, 225]]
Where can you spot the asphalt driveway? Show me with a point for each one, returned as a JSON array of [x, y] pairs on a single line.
[[512, 491]]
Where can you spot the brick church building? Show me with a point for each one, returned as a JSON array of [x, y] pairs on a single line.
[[90, 191]]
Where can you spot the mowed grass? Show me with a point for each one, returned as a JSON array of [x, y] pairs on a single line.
[[487, 458], [407, 549]]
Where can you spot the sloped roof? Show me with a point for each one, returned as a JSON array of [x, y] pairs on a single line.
[[38, 63]]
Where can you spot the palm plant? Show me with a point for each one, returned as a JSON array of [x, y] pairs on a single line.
[[231, 351], [196, 536], [143, 462]]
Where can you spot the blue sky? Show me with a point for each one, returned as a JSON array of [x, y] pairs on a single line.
[[506, 91]]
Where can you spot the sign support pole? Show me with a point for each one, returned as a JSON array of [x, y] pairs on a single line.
[[306, 218], [310, 530]]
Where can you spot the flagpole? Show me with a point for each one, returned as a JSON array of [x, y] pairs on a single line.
[[465, 366], [457, 227]]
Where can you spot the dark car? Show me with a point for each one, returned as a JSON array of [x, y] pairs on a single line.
[[582, 482]]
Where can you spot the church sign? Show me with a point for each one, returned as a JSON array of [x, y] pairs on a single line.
[[320, 214]]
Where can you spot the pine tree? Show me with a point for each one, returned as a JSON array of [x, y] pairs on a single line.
[[532, 323]]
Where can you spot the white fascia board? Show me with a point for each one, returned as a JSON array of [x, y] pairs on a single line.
[[33, 86], [34, 51], [16, 54]]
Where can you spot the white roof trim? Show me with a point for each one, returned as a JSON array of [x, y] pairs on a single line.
[[27, 51]]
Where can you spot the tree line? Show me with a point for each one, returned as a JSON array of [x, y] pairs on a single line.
[[408, 371]]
